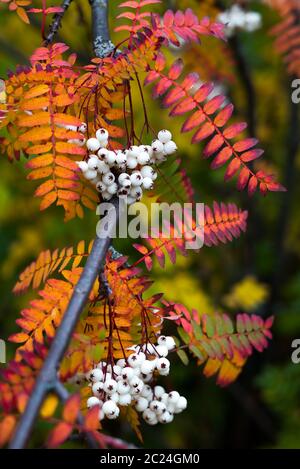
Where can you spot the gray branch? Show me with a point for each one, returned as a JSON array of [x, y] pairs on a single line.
[[47, 379], [102, 43]]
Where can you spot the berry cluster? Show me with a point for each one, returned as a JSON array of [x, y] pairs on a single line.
[[125, 173], [236, 18], [126, 383]]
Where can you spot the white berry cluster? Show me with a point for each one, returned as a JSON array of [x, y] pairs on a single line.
[[126, 383], [236, 18], [125, 173]]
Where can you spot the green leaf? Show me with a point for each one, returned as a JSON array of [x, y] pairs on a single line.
[[197, 330], [210, 326], [184, 335], [196, 351], [183, 357]]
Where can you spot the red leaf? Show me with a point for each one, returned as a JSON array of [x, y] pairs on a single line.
[[71, 409], [160, 62], [161, 87], [234, 130], [212, 106], [190, 80], [193, 121], [176, 70], [168, 18], [184, 106], [252, 186], [203, 92], [224, 115], [251, 155], [59, 434], [243, 179], [245, 144], [213, 146], [222, 157], [205, 131], [7, 426], [233, 167], [173, 96], [91, 421]]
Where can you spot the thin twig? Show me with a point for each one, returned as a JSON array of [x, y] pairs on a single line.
[[56, 23]]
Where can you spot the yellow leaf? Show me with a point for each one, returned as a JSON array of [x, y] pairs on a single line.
[[49, 406], [81, 248]]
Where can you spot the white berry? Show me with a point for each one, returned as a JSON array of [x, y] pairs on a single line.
[[123, 387], [90, 174], [108, 178], [113, 188], [142, 404], [170, 148], [164, 136], [83, 166], [143, 158], [93, 144], [157, 146], [92, 402], [103, 168], [147, 183], [162, 351], [136, 179], [102, 135], [125, 399]]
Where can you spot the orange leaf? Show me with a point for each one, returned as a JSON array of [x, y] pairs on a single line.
[[22, 399], [40, 173], [71, 409], [70, 148], [59, 434], [44, 188], [91, 421], [66, 163], [18, 338], [36, 91], [35, 103], [48, 200], [39, 149], [23, 15], [67, 195], [6, 429], [63, 100], [40, 161], [36, 134], [39, 118], [66, 119]]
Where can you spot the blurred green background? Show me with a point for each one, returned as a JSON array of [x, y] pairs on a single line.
[[259, 273]]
